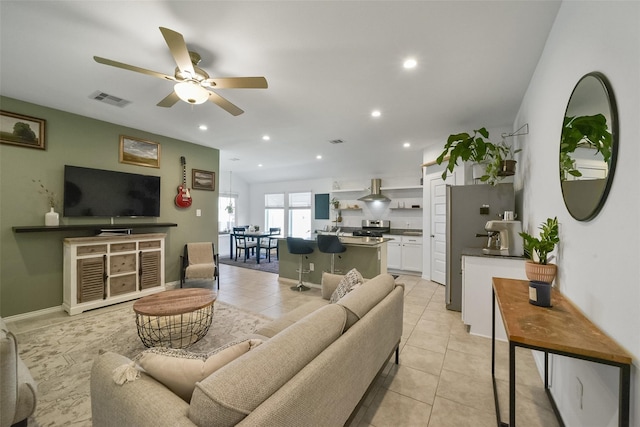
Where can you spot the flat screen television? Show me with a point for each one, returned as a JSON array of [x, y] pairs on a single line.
[[103, 193]]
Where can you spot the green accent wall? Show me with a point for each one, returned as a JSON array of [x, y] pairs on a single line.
[[31, 263]]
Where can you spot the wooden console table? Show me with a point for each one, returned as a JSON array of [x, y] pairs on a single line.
[[561, 329]]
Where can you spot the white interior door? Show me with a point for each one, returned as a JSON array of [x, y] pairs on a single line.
[[438, 234]]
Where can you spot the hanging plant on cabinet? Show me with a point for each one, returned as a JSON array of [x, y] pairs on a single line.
[[478, 149]]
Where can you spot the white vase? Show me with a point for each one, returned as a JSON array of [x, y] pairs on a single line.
[[51, 218]]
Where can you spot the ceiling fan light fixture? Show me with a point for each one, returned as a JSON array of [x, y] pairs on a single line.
[[191, 93]]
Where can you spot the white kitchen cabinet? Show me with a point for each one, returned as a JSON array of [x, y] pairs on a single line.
[[394, 253], [477, 286], [104, 270], [404, 253]]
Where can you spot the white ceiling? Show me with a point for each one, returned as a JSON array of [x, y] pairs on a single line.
[[328, 65]]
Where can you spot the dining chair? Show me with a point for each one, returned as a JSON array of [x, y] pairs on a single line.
[[242, 244], [270, 243]]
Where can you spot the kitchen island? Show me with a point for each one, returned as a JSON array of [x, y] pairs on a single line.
[[367, 254]]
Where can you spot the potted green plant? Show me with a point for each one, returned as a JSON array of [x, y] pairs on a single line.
[[495, 160], [335, 203], [465, 147], [537, 249], [502, 163], [583, 131]]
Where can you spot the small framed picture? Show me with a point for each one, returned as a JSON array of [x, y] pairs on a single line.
[[139, 152], [203, 180], [25, 131]]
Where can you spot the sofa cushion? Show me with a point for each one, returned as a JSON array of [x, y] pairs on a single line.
[[349, 282], [288, 319], [329, 284], [231, 393], [179, 370], [362, 299]]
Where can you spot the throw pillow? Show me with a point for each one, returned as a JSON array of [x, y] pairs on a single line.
[[179, 370], [349, 282]]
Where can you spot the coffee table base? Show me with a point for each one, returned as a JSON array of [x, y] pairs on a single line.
[[177, 331]]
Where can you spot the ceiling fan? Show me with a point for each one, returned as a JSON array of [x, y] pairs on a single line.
[[193, 84]]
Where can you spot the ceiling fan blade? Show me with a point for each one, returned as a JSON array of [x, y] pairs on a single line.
[[238, 83], [225, 104], [132, 68], [178, 49], [169, 100]]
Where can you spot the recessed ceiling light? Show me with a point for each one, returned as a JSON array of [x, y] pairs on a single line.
[[266, 137], [406, 145], [319, 157], [203, 127], [410, 63], [259, 165], [375, 113]]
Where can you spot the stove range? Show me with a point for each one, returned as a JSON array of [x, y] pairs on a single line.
[[373, 228]]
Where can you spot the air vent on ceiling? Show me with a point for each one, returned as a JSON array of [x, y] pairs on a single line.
[[336, 141], [234, 159], [109, 99]]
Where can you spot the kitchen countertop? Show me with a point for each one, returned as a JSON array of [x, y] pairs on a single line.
[[393, 231], [363, 240], [348, 239], [478, 252]]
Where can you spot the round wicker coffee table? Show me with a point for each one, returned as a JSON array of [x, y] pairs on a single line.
[[176, 318]]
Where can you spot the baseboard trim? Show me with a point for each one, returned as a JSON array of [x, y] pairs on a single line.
[[32, 314], [57, 308]]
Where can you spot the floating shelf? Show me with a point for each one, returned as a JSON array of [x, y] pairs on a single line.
[[406, 209], [409, 187], [81, 227], [349, 209]]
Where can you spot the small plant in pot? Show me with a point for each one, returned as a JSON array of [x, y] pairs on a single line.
[[502, 164], [538, 269]]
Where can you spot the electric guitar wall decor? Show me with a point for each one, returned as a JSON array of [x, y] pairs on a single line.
[[183, 199]]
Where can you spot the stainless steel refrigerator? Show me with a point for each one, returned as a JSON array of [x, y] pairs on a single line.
[[469, 207]]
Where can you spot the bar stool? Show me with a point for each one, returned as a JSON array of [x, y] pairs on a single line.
[[331, 244], [300, 247]]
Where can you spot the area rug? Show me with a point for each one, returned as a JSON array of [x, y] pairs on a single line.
[[269, 267], [60, 355]]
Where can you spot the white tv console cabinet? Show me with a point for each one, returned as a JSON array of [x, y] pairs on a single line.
[[104, 270]]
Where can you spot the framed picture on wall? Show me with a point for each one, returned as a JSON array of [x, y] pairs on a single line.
[[203, 180], [25, 131], [139, 152]]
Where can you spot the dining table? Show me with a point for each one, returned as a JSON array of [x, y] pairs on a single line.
[[257, 235]]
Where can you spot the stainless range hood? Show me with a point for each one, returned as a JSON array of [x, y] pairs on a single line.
[[375, 194]]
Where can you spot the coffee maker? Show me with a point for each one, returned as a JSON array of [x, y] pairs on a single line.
[[504, 238]]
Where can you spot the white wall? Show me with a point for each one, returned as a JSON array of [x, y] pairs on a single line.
[[598, 260]]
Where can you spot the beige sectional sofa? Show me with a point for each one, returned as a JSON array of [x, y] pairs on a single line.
[[314, 367], [17, 386]]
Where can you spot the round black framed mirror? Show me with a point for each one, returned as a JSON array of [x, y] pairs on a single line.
[[588, 146]]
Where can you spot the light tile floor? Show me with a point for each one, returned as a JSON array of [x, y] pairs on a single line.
[[444, 375]]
